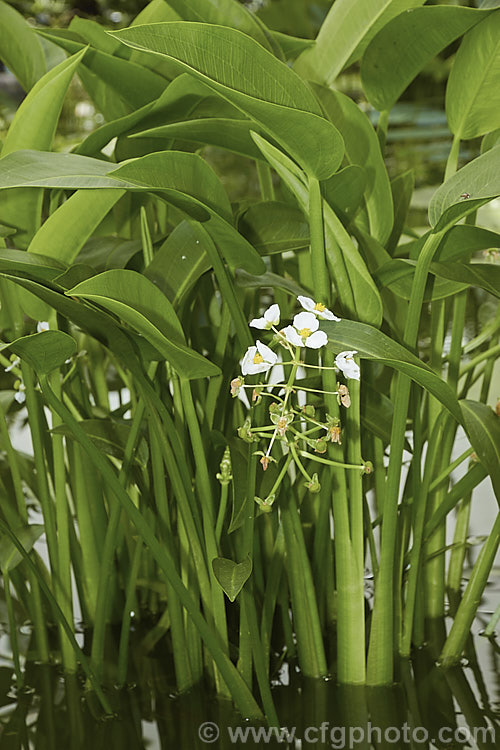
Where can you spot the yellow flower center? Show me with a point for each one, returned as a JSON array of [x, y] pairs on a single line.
[[258, 359], [305, 332], [320, 307]]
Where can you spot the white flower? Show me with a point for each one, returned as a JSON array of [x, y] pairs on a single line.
[[42, 326], [13, 363], [317, 308], [270, 318], [258, 358], [304, 332], [345, 362], [20, 395]]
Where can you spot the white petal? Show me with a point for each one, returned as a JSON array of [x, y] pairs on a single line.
[[306, 320], [20, 397], [247, 361], [316, 340], [253, 369], [327, 315], [42, 326], [259, 323], [348, 366], [267, 353], [272, 315], [292, 336], [307, 303]]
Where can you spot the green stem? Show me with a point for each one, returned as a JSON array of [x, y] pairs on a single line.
[[381, 648], [14, 643], [317, 239], [239, 690], [464, 618], [205, 494], [127, 616], [63, 521]]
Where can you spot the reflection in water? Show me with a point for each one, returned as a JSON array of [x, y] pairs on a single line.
[[429, 707]]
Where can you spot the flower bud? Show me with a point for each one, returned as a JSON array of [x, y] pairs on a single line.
[[236, 384], [314, 485]]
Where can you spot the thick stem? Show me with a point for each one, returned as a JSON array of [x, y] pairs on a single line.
[[381, 649]]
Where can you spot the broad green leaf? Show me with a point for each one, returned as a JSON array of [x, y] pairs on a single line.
[[483, 275], [116, 84], [65, 232], [156, 12], [345, 34], [362, 148], [270, 280], [127, 347], [43, 268], [45, 351], [225, 13], [179, 262], [490, 140], [351, 273], [176, 102], [471, 187], [371, 343], [397, 275], [274, 227], [188, 182], [34, 169], [139, 303], [232, 135], [185, 180], [231, 576], [10, 557], [34, 127], [181, 172], [104, 253], [345, 190], [483, 428], [406, 44], [473, 90], [292, 46], [20, 48], [109, 436], [244, 73], [460, 242]]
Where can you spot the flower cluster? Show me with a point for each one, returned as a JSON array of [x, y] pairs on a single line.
[[299, 428], [304, 332]]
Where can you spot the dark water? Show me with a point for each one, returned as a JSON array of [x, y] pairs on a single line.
[[428, 707]]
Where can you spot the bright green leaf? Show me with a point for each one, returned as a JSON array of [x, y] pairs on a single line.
[[483, 428], [231, 576], [362, 148], [139, 303], [473, 90], [45, 351], [345, 34], [406, 44], [471, 187], [371, 343], [10, 557], [20, 48], [252, 79]]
